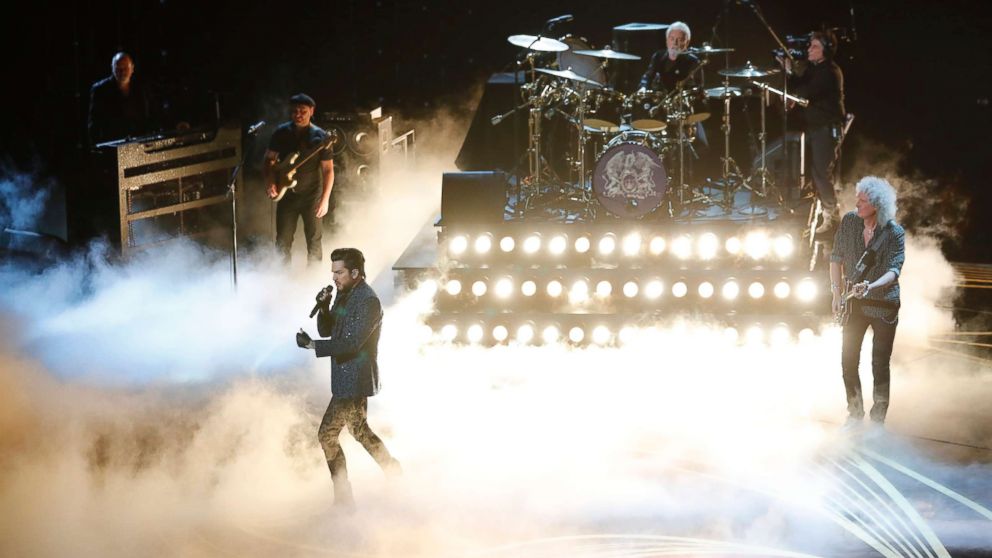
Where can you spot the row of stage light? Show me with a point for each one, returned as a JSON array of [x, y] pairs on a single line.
[[757, 245], [529, 333], [581, 290]]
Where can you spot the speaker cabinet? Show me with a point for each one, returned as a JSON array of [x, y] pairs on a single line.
[[471, 198]]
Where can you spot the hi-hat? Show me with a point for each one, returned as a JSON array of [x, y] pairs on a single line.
[[608, 53], [569, 74], [748, 70], [534, 42], [708, 49], [723, 92]]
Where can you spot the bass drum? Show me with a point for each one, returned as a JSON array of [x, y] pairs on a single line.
[[630, 179], [586, 66]]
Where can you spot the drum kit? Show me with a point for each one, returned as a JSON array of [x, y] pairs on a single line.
[[623, 141]]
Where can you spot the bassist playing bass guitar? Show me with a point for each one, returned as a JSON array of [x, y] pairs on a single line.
[[310, 198]]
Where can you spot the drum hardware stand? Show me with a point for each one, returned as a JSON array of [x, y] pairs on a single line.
[[785, 78], [762, 171], [730, 179]]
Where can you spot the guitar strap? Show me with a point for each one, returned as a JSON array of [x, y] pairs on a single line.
[[862, 268]]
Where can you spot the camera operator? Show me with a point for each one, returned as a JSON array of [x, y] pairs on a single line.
[[822, 83]]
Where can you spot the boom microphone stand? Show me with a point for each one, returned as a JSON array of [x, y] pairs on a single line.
[[753, 4]]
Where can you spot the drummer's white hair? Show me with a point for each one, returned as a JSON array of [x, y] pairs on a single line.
[[679, 26], [881, 195]]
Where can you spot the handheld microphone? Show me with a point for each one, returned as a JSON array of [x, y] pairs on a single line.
[[321, 299], [254, 128]]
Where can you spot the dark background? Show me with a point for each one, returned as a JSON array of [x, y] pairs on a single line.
[[917, 77]]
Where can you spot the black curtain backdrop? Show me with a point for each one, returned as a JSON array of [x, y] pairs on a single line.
[[917, 77]]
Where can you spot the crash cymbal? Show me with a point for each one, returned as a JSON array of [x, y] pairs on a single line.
[[723, 92], [748, 70], [570, 75], [534, 42], [707, 49], [608, 53]]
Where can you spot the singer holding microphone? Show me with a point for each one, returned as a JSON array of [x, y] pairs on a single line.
[[352, 326], [310, 198]]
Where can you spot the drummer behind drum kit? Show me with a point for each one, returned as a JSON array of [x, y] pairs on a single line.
[[631, 135]]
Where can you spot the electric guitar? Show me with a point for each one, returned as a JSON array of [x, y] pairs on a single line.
[[284, 170], [844, 315]]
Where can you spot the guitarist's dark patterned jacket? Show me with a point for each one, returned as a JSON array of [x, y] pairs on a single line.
[[849, 245], [353, 324]]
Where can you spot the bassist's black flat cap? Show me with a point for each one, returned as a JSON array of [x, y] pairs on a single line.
[[302, 99]]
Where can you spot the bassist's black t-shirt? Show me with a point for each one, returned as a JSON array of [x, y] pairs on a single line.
[[287, 139]]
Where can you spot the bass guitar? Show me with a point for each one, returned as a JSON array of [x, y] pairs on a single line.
[[284, 170]]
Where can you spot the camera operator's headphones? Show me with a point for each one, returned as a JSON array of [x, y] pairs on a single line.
[[828, 40]]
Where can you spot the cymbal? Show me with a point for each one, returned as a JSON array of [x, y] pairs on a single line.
[[534, 42], [723, 92], [569, 74], [706, 49], [608, 53], [748, 70], [687, 119]]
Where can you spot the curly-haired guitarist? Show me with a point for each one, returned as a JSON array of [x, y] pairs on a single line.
[[869, 250]]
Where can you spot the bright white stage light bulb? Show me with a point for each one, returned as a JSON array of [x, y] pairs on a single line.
[[682, 247], [525, 333], [474, 333], [654, 289], [483, 244], [607, 245], [657, 245], [453, 287], [630, 289], [500, 333], [576, 334], [479, 288], [806, 291], [604, 289], [532, 244], [706, 289], [601, 335], [507, 244], [707, 246], [458, 244], [756, 290], [504, 287], [528, 288], [632, 244], [781, 289], [582, 244], [730, 290], [550, 335], [784, 246]]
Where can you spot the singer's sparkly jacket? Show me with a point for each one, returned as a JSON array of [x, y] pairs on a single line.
[[352, 325]]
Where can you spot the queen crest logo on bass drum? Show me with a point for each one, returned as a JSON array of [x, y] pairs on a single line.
[[630, 180]]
